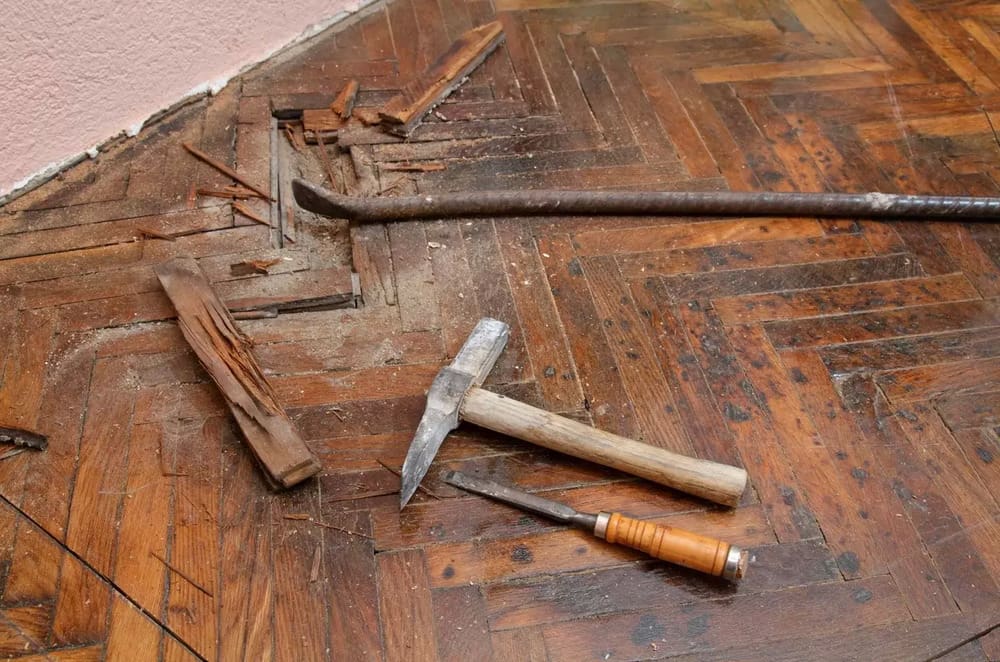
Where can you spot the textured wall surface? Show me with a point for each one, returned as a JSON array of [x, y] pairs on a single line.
[[77, 72]]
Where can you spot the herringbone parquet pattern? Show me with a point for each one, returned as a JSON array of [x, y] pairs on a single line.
[[852, 367]]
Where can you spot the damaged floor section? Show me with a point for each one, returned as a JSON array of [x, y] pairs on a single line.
[[851, 367]]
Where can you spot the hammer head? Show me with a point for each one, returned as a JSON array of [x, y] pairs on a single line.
[[444, 399]]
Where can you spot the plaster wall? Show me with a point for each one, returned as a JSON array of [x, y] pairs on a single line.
[[75, 73]]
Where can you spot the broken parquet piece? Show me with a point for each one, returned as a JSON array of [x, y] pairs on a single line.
[[225, 352], [404, 111], [344, 103], [321, 120]]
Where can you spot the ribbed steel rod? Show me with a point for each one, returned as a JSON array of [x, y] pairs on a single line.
[[668, 203]]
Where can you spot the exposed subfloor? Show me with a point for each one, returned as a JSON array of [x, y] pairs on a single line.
[[852, 367]]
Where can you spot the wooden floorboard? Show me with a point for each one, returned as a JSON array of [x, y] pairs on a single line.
[[852, 367]]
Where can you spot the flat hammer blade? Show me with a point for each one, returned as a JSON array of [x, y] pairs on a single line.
[[444, 398]]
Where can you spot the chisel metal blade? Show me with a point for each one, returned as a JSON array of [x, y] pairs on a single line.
[[536, 504]]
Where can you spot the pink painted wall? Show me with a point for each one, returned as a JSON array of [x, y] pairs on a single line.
[[77, 72]]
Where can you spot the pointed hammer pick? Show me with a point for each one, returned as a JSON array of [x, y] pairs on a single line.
[[456, 395]]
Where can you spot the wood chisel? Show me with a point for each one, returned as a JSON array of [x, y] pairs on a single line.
[[666, 543]]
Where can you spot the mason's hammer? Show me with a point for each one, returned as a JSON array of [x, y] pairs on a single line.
[[456, 395]]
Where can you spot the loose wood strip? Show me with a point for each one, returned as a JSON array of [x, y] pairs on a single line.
[[249, 267], [28, 346], [902, 641], [131, 633], [981, 448], [545, 339], [695, 406], [344, 103], [349, 561], [693, 235], [226, 170], [495, 299], [57, 240], [600, 382], [143, 524], [462, 627], [976, 410], [418, 306], [454, 284], [538, 601], [915, 321], [301, 290], [403, 112], [913, 351], [746, 255], [245, 578], [841, 299], [153, 234], [525, 644], [405, 606], [192, 601], [703, 626], [387, 381], [96, 260], [97, 495], [635, 358], [928, 382], [300, 598], [33, 573], [225, 352], [368, 116], [46, 496], [336, 182]]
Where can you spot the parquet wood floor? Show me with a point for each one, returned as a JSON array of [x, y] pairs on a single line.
[[852, 367]]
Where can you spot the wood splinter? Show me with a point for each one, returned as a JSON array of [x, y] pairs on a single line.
[[225, 170], [225, 353], [234, 192], [410, 166], [404, 111], [242, 209], [295, 138]]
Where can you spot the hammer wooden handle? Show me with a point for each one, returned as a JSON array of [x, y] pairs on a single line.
[[684, 548], [716, 482]]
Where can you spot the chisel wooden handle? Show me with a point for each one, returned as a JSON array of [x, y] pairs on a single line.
[[716, 482], [684, 548]]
